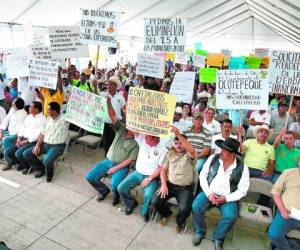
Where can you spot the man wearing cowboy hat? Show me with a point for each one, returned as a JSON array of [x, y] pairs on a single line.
[[118, 103], [224, 180], [259, 155]]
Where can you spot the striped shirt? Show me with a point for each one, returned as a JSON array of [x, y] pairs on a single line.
[[56, 131], [199, 140]]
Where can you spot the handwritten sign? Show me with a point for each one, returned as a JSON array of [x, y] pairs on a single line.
[[199, 61], [86, 110], [165, 34], [253, 62], [150, 112], [41, 52], [242, 89], [180, 58], [208, 75], [17, 62], [237, 63], [183, 86], [148, 65], [64, 42], [43, 73], [226, 52], [262, 52], [284, 72], [213, 59], [99, 27]]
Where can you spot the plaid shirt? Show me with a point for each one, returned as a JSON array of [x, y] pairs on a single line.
[[56, 131]]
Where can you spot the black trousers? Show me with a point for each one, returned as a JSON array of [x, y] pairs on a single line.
[[184, 198], [108, 137]]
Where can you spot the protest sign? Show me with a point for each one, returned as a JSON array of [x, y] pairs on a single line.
[[16, 61], [86, 110], [99, 27], [41, 52], [165, 34], [64, 42], [180, 58], [213, 59], [199, 61], [148, 65], [201, 52], [35, 36], [150, 112], [253, 62], [43, 73], [208, 75], [237, 63], [262, 52], [226, 52], [183, 86], [242, 89], [284, 72]]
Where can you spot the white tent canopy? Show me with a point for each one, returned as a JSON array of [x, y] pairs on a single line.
[[236, 24]]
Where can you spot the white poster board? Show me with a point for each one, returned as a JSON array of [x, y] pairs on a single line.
[[35, 36], [262, 52], [180, 58], [64, 42], [43, 73], [284, 72], [41, 52], [242, 89], [183, 86], [148, 65], [99, 27], [17, 62], [165, 34], [199, 61]]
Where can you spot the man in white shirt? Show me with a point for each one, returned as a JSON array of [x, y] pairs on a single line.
[[259, 118], [148, 166], [11, 125], [51, 142], [224, 180], [226, 129], [118, 102], [27, 136]]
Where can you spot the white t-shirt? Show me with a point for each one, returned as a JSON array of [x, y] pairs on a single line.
[[149, 158], [265, 118], [219, 137], [296, 128], [117, 102], [213, 127]]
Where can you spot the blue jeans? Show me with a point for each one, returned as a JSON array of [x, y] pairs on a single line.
[[200, 163], [229, 211], [100, 170], [8, 142], [280, 228], [15, 154], [256, 173], [131, 181], [52, 153]]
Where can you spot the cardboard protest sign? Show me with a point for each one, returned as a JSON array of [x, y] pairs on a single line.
[[183, 86], [213, 59], [208, 75], [242, 89], [41, 52], [284, 72], [253, 62], [262, 52], [237, 63], [199, 61], [152, 66], [86, 110], [165, 34], [99, 27], [64, 42], [17, 62], [43, 73], [150, 112]]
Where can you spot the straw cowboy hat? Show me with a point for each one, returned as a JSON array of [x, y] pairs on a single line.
[[259, 127], [116, 81]]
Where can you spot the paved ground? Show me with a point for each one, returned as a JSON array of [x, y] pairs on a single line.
[[65, 215]]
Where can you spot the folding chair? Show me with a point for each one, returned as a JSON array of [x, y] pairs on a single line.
[[90, 140]]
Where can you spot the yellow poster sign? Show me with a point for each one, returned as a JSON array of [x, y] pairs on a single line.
[[214, 59], [150, 112]]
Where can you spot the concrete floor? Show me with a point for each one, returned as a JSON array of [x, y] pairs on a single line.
[[65, 215]]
